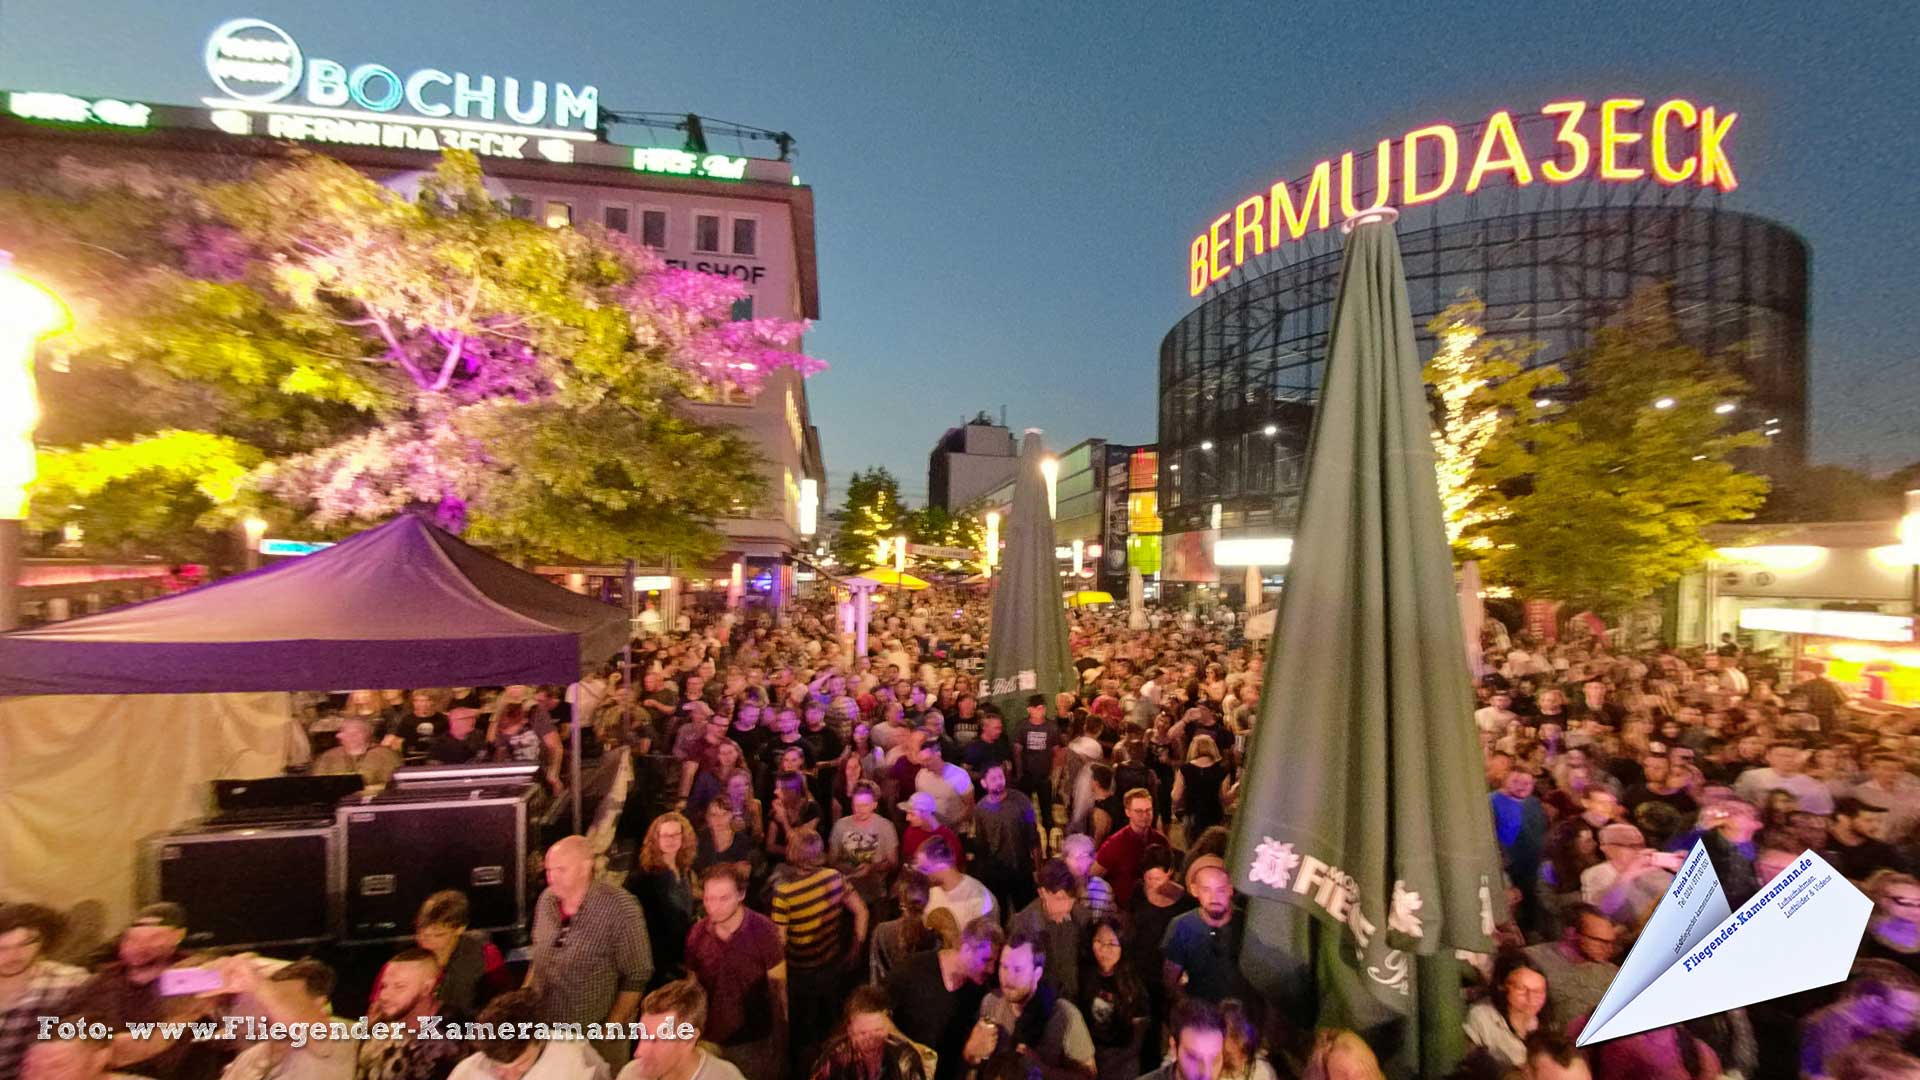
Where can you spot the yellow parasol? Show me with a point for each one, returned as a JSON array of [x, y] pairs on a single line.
[[1089, 599], [888, 578]]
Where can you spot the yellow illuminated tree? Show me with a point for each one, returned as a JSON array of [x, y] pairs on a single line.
[[1482, 390], [1609, 496]]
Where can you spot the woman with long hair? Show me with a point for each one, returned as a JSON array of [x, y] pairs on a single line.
[[898, 938], [848, 774], [746, 810], [662, 880], [1114, 1002], [1199, 788], [1499, 1027], [1241, 1058]]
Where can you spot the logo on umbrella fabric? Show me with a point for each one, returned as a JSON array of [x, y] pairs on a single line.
[[1280, 867]]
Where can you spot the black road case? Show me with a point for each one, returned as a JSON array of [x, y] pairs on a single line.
[[249, 886], [402, 847]]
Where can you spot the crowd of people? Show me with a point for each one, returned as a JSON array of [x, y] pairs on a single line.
[[839, 867]]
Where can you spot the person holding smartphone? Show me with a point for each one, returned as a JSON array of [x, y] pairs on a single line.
[[1629, 884]]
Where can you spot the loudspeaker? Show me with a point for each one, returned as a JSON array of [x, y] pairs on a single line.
[[249, 886], [400, 848]]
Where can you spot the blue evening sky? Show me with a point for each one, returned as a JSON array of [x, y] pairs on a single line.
[[1005, 190]]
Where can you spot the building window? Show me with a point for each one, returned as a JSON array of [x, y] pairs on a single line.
[[743, 309], [746, 235], [653, 228], [617, 219], [521, 207], [559, 214], [706, 233]]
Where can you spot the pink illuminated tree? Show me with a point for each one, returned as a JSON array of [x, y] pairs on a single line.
[[368, 354]]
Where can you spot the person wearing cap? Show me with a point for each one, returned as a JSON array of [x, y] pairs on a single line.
[[922, 812], [1034, 743], [1629, 884], [694, 744], [127, 990], [1202, 947]]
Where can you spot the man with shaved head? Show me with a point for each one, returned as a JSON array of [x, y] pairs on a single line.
[[591, 959]]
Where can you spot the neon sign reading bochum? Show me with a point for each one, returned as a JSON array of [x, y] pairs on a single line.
[[1620, 140], [259, 67]]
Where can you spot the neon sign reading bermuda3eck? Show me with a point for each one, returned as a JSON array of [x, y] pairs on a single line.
[[257, 64], [1617, 141]]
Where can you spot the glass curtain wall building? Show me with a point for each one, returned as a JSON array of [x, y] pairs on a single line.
[[1239, 375]]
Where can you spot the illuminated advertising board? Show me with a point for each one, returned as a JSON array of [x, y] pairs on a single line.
[[1615, 141], [269, 86]]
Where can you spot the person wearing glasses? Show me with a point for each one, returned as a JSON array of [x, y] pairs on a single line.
[[1893, 931], [508, 1054], [1580, 965], [591, 956], [1498, 1029]]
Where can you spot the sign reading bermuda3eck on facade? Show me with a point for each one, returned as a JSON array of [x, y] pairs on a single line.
[[271, 87], [1618, 140]]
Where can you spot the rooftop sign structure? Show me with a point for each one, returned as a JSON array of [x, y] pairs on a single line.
[[270, 86], [1675, 143]]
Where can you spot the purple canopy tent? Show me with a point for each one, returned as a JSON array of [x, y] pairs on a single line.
[[404, 604]]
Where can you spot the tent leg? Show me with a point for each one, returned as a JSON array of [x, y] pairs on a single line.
[[574, 780]]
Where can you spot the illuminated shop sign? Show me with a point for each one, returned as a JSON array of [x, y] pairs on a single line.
[[67, 109], [660, 159], [272, 88], [1619, 140], [1860, 625]]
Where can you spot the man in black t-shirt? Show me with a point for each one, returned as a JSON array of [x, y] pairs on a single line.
[[1033, 761], [989, 748], [940, 993], [461, 742], [414, 734], [1856, 849], [1657, 786]]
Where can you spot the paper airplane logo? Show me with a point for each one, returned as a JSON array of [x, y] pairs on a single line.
[[1697, 956]]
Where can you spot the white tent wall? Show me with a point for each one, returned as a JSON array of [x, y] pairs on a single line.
[[85, 779]]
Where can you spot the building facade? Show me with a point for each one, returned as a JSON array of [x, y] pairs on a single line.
[[1090, 522], [1553, 239], [968, 462], [747, 218]]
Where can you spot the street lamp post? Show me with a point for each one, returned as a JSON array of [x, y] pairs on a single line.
[[256, 529], [992, 543], [1910, 541], [28, 312]]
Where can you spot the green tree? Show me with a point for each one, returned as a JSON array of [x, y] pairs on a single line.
[[308, 345], [872, 513], [1608, 497], [1482, 392], [935, 526]]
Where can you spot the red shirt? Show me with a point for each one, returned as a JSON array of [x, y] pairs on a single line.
[[917, 836], [1120, 858], [734, 974]]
